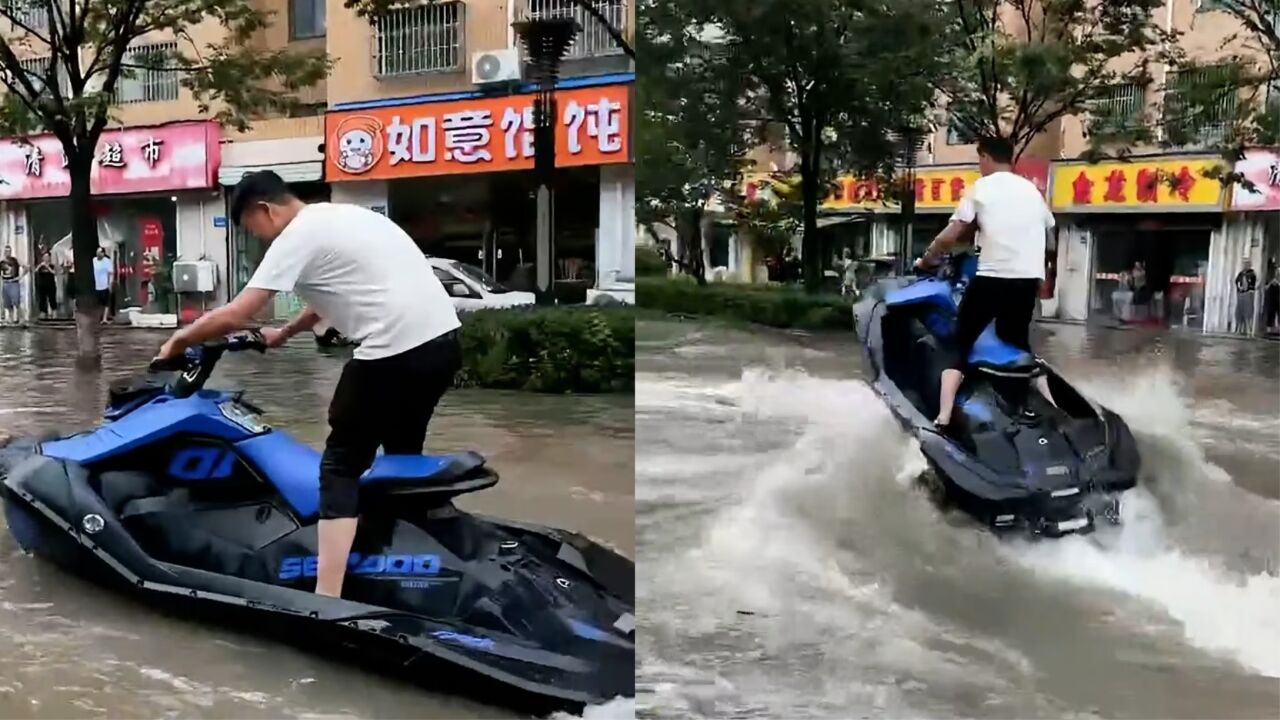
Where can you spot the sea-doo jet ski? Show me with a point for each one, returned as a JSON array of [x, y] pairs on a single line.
[[186, 497], [1009, 457]]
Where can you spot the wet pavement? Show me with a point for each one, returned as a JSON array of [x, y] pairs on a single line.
[[72, 650], [788, 566]]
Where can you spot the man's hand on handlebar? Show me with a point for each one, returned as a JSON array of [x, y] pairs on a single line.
[[275, 337], [172, 349]]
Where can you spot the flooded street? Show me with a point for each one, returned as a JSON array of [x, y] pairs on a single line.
[[788, 567], [72, 650]]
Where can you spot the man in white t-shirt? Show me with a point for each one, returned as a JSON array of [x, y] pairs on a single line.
[[1012, 222], [364, 276]]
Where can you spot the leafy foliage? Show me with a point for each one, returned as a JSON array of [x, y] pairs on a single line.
[[773, 306], [839, 76], [695, 131], [559, 350], [1021, 65], [1230, 101]]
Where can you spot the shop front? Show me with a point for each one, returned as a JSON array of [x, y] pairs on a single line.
[[1136, 239], [299, 162], [152, 192], [938, 190], [1252, 234], [457, 175]]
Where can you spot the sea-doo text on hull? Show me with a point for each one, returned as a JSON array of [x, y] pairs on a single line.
[[184, 495], [1010, 458]]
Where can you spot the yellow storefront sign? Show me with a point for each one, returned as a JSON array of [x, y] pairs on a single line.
[[1161, 184], [937, 188]]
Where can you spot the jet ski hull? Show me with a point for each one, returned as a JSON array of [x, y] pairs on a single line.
[[55, 509], [1010, 459]]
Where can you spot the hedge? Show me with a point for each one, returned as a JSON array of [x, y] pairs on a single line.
[[649, 263], [771, 305], [549, 349]]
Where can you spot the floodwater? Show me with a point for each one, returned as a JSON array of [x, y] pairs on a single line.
[[788, 567], [71, 650]]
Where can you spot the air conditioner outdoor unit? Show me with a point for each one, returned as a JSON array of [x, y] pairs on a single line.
[[495, 66], [195, 276]]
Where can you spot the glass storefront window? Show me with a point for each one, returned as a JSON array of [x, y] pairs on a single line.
[[1151, 276], [138, 233]]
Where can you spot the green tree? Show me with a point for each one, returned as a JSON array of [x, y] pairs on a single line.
[[1019, 66], [841, 76], [1230, 101], [86, 47], [694, 130]]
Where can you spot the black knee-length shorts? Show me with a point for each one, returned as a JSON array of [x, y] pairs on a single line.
[[385, 403], [1010, 302]]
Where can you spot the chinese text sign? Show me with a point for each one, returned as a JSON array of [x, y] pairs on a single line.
[[477, 135], [180, 156], [1159, 184]]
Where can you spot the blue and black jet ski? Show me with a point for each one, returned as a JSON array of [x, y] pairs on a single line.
[[1010, 458], [187, 498]]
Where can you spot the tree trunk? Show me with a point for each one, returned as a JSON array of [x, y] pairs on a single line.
[[689, 230], [84, 246], [810, 246]]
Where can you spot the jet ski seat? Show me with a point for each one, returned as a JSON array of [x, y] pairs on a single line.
[[294, 469], [994, 355]]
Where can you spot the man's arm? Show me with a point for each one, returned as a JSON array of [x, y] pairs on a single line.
[[306, 320], [235, 315], [953, 233]]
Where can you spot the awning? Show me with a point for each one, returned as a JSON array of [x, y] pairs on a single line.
[[313, 171]]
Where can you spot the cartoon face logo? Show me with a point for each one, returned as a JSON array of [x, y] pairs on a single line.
[[358, 141]]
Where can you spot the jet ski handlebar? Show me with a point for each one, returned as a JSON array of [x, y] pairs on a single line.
[[205, 355]]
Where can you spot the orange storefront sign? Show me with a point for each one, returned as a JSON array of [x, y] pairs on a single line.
[[476, 135]]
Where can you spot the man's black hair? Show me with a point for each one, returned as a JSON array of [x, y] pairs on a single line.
[[996, 148], [256, 187]]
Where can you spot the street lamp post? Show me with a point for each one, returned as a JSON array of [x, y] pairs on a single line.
[[909, 141], [546, 40]]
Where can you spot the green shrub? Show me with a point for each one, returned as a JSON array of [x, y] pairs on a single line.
[[780, 307], [649, 263], [553, 349]]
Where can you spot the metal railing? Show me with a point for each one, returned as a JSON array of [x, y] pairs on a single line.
[[1120, 106], [148, 84], [1205, 123], [32, 14], [36, 68], [594, 39], [419, 39]]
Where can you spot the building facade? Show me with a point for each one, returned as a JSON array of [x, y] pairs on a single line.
[[1159, 215], [164, 173]]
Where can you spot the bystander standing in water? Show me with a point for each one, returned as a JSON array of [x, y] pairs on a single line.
[[1246, 292], [10, 288]]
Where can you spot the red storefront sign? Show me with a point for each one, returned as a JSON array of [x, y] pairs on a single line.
[[180, 156]]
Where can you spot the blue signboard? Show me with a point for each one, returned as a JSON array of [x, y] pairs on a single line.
[[219, 221]]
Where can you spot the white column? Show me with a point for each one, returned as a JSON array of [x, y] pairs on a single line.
[[368, 193], [1075, 271], [200, 238], [616, 236]]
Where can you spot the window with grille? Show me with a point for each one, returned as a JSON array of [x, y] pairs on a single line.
[[418, 39], [593, 38], [306, 19], [1199, 105], [1118, 107], [36, 69], [144, 79], [30, 13]]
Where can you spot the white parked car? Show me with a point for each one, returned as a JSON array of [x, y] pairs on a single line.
[[472, 289], [469, 286]]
